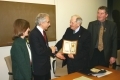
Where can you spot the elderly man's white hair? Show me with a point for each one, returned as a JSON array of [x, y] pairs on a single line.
[[78, 18], [41, 18]]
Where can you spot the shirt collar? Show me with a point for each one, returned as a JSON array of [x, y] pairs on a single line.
[[40, 29], [103, 23], [77, 29]]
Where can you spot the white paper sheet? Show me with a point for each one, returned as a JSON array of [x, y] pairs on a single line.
[[82, 78]]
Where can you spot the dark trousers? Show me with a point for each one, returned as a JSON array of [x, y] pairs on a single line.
[[42, 77], [98, 59]]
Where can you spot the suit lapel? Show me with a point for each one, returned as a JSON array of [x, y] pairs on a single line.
[[41, 35], [95, 32], [80, 32], [105, 32], [46, 40], [97, 27], [25, 50]]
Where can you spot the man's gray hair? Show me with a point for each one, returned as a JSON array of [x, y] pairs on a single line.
[[41, 18], [78, 19]]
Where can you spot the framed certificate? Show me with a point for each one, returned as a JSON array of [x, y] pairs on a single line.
[[69, 47]]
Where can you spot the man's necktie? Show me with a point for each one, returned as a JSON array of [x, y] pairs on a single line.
[[44, 35], [100, 40]]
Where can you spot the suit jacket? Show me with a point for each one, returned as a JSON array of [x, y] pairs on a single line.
[[41, 53], [109, 37], [81, 58], [20, 60]]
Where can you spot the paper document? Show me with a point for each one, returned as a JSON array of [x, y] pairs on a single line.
[[82, 78], [69, 47]]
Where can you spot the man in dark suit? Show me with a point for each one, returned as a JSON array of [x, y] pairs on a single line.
[[80, 60], [40, 49], [104, 48]]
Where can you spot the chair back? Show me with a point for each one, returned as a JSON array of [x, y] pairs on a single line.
[[118, 57], [9, 65]]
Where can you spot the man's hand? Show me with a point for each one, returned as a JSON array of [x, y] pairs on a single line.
[[71, 56], [53, 49], [112, 60], [60, 55]]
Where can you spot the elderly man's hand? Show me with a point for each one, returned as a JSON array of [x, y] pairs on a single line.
[[112, 60], [71, 56], [60, 55]]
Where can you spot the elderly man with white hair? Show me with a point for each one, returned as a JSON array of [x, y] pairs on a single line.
[[80, 60], [40, 49]]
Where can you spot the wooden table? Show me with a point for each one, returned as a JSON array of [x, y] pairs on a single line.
[[115, 75]]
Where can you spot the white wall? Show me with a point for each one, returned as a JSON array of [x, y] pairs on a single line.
[[87, 9]]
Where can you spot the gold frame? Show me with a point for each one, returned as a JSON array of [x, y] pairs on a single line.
[[69, 47]]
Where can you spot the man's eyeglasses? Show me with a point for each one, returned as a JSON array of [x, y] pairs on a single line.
[[48, 21]]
